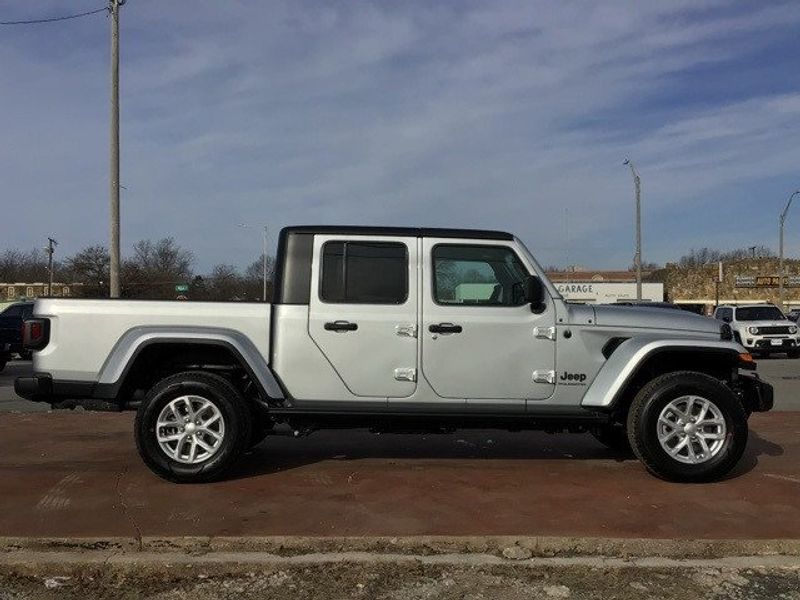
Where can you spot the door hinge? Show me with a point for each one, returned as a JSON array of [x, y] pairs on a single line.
[[406, 330], [544, 376], [545, 333], [405, 374]]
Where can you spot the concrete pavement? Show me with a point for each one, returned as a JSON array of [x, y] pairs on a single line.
[[78, 474], [9, 401]]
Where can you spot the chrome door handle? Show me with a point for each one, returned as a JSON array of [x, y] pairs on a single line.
[[445, 328], [340, 326]]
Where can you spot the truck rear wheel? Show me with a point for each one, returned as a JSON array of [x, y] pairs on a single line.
[[192, 427], [688, 427]]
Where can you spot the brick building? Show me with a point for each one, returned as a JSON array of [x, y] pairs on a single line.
[[10, 292], [743, 281]]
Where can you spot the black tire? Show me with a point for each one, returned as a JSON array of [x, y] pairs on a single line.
[[614, 437], [2, 364], [793, 354], [224, 396], [643, 418]]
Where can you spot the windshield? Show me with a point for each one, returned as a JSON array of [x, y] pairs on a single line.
[[759, 313], [538, 270]]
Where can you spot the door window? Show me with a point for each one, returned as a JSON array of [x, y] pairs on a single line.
[[478, 276], [364, 273]]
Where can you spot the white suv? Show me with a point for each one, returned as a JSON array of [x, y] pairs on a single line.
[[762, 328]]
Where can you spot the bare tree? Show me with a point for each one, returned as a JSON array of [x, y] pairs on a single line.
[[18, 266], [90, 266], [254, 277], [698, 257], [155, 268]]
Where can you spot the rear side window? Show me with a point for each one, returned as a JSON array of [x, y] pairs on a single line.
[[364, 273]]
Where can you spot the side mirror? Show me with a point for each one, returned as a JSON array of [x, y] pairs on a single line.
[[727, 319], [534, 293]]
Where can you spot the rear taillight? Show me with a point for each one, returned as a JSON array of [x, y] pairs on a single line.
[[35, 333]]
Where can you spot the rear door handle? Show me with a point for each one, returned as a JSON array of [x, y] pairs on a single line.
[[445, 328], [341, 326]]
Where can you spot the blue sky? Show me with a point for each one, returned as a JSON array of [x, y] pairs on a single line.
[[502, 114]]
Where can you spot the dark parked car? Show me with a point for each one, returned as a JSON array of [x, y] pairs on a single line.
[[11, 320]]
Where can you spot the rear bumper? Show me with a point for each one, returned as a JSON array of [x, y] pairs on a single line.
[[62, 394], [37, 388], [757, 395]]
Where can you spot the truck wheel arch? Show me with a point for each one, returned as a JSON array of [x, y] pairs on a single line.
[[636, 362], [141, 345]]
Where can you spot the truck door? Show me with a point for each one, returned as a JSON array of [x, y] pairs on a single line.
[[480, 339], [363, 311]]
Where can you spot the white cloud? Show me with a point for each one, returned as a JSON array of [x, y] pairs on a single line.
[[466, 114]]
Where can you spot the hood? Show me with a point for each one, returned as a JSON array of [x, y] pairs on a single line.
[[654, 318]]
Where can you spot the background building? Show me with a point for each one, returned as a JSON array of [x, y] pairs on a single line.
[[743, 281], [11, 292], [604, 287]]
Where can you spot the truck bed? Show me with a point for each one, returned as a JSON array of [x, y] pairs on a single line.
[[84, 333]]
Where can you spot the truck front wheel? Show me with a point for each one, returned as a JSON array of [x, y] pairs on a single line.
[[688, 427], [192, 427]]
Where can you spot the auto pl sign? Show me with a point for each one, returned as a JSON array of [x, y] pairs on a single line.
[[766, 281]]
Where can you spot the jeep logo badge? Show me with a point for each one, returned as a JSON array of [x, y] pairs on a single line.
[[573, 377]]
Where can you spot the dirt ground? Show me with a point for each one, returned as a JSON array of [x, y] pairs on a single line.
[[416, 579]]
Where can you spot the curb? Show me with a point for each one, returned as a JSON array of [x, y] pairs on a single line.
[[510, 547]]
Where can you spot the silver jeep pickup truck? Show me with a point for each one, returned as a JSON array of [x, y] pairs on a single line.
[[399, 330]]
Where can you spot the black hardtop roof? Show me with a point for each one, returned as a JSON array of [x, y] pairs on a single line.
[[482, 234]]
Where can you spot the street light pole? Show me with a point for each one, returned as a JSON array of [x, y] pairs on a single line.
[[637, 186], [781, 222], [263, 260]]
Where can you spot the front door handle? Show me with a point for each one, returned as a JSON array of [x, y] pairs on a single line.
[[341, 326], [445, 328]]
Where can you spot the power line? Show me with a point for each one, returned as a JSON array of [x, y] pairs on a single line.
[[53, 19]]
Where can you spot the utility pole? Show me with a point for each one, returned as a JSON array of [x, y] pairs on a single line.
[[113, 9], [637, 186], [51, 244], [753, 250], [781, 222]]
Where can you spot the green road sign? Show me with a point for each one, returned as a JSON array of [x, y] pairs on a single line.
[[182, 287]]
